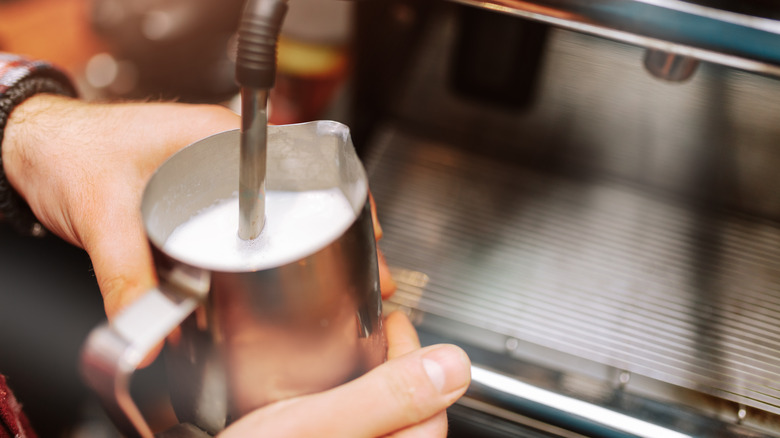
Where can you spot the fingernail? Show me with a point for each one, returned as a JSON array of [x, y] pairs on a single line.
[[448, 367]]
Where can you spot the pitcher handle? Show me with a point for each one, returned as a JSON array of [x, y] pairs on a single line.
[[113, 351]]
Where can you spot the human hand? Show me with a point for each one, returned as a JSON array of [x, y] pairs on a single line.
[[405, 397], [82, 168]]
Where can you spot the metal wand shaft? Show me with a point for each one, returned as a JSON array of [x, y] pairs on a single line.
[[258, 34], [254, 145]]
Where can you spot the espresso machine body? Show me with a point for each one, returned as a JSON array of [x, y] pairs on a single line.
[[584, 195]]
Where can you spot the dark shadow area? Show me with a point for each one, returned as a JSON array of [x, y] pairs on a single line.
[[49, 300]]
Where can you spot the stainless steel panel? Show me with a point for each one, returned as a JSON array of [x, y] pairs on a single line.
[[597, 111], [738, 36], [623, 228], [595, 269]]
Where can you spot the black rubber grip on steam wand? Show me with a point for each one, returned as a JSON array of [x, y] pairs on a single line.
[[258, 34]]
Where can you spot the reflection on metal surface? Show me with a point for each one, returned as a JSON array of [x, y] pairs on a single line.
[[598, 112], [668, 66], [410, 288], [623, 229], [588, 416], [514, 418], [668, 406], [738, 40], [595, 269]]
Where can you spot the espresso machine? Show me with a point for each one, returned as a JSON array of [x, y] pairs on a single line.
[[584, 195]]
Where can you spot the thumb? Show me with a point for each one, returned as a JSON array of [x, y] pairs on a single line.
[[397, 394]]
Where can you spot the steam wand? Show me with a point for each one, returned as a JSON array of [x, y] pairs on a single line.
[[258, 35]]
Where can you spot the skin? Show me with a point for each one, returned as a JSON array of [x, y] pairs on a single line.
[[82, 168], [397, 399]]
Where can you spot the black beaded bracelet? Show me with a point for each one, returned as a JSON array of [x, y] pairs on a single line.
[[20, 79]]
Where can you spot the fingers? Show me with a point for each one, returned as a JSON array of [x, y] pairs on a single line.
[[122, 278], [402, 392], [374, 218], [407, 398], [124, 271], [401, 336], [403, 339], [386, 283], [120, 254], [108, 221]]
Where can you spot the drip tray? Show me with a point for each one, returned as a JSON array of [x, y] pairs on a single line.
[[590, 277]]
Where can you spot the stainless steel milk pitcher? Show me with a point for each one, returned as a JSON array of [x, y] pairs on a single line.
[[244, 338]]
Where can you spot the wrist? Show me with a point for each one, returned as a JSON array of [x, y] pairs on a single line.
[[23, 139], [20, 80]]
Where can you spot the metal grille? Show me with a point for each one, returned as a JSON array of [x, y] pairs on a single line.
[[606, 271]]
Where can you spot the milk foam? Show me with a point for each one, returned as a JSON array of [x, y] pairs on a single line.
[[296, 225]]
